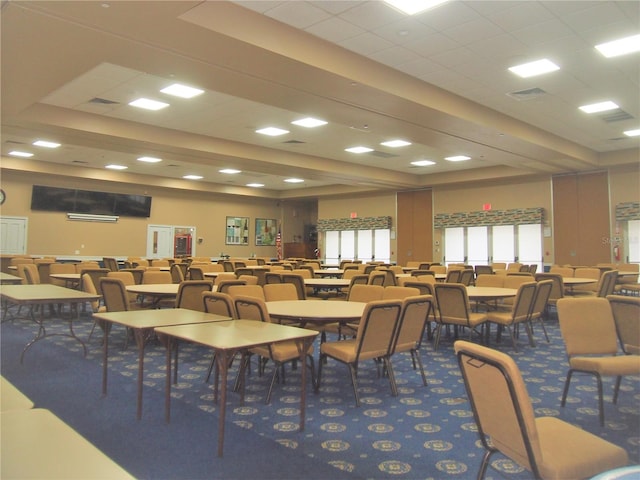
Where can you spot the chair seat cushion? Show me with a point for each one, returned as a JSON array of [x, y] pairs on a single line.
[[618, 365], [345, 351], [281, 351], [590, 454]]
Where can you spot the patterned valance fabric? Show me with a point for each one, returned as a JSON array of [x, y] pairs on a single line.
[[628, 211], [518, 216], [364, 223]]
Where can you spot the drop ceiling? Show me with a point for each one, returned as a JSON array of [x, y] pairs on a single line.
[[438, 80]]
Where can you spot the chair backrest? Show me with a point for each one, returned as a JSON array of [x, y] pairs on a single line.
[[607, 283], [219, 304], [177, 275], [29, 273], [533, 268], [243, 271], [249, 279], [190, 294], [20, 260], [485, 280], [587, 326], [399, 293], [274, 292], [541, 298], [453, 302], [223, 286], [126, 277], [500, 402], [425, 288], [453, 276], [110, 263], [365, 293], [498, 266], [89, 287], [137, 273], [626, 314], [419, 272], [377, 277], [228, 266], [359, 279], [514, 281], [251, 308], [255, 291], [303, 272], [523, 302], [62, 268], [377, 328], [96, 274], [297, 280], [272, 278], [413, 320], [565, 272], [558, 284], [224, 277], [86, 266], [467, 277], [43, 271], [114, 294], [390, 278], [156, 276]]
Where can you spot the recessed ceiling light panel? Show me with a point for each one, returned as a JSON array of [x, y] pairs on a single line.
[[148, 104], [632, 133], [619, 47], [18, 153], [423, 163], [309, 122], [272, 131], [182, 91], [149, 159], [294, 180], [113, 166], [358, 149], [229, 171], [46, 144], [411, 7], [457, 158], [396, 143], [599, 107], [192, 177], [255, 185], [532, 69]]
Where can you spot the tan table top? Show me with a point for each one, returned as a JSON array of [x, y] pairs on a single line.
[[316, 311], [65, 276], [227, 338], [154, 288], [37, 444], [578, 280], [329, 272], [8, 279], [11, 398], [327, 282], [484, 293], [44, 293]]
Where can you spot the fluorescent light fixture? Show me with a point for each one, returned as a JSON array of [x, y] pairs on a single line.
[[632, 133], [192, 177], [182, 91], [255, 185], [148, 104], [396, 143], [149, 159], [294, 180], [46, 144], [18, 153], [113, 166], [620, 47], [458, 158], [423, 163], [87, 217], [599, 107], [411, 7], [272, 131], [358, 150], [532, 69], [309, 122], [230, 171]]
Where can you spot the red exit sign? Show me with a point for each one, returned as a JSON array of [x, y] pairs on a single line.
[[486, 206]]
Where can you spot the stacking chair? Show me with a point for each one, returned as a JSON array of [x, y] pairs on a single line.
[[589, 333], [399, 293], [253, 291], [156, 276], [43, 271], [223, 286], [29, 272], [96, 274], [557, 291], [190, 294], [196, 273], [176, 274], [128, 279], [539, 305], [219, 304], [377, 277], [414, 317], [250, 308], [418, 272], [483, 270], [275, 292], [518, 314], [249, 279], [116, 299], [110, 263], [454, 309], [626, 314], [60, 268], [298, 281], [365, 293], [137, 273], [373, 341], [467, 277], [453, 276], [546, 446], [272, 277]]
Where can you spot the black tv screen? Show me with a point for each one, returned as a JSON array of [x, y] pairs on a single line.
[[53, 199]]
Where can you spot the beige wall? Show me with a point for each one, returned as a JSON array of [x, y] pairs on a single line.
[[51, 233]]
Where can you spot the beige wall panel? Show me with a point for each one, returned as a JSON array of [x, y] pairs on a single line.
[[415, 226], [593, 218], [565, 224]]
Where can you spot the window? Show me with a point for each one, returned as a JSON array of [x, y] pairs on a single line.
[[365, 245]]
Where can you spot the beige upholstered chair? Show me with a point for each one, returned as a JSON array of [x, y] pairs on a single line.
[[377, 277], [128, 279], [589, 333], [223, 277], [454, 309], [374, 340], [297, 279], [519, 313], [29, 273], [218, 304], [223, 286], [539, 306], [156, 276], [190, 294], [275, 292], [399, 293], [96, 274], [546, 446], [484, 280], [605, 286], [177, 274], [414, 317], [254, 291], [60, 268], [110, 263], [365, 293], [89, 287], [565, 272], [586, 272], [626, 314], [251, 308]]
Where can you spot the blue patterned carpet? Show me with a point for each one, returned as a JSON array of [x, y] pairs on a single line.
[[424, 433]]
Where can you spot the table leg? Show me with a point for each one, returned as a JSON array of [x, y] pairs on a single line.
[[105, 356], [167, 388], [303, 346], [140, 335], [222, 364]]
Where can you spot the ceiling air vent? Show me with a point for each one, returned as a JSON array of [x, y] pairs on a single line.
[[615, 116], [102, 101], [376, 153], [528, 94], [293, 141]]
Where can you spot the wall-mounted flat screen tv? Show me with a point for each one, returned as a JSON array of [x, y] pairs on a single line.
[[70, 200]]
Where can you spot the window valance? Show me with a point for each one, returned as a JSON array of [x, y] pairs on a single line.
[[517, 216], [364, 223], [628, 211]]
